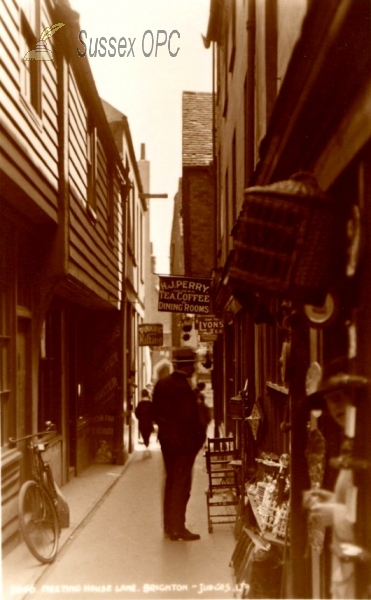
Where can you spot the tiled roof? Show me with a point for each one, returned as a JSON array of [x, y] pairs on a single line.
[[197, 129]]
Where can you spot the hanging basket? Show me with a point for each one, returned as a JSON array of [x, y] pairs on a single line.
[[283, 239]]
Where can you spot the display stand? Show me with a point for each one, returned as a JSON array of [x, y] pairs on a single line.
[[262, 546]]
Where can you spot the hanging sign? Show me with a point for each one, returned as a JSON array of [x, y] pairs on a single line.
[[150, 334], [209, 327], [208, 337], [210, 324], [184, 295]]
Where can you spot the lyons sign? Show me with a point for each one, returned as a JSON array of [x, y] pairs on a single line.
[[209, 327]]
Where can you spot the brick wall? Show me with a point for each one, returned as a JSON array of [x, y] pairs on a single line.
[[199, 221]]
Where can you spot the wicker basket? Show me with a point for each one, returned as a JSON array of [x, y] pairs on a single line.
[[283, 239]]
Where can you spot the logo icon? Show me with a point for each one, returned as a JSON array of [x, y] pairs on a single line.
[[42, 52]]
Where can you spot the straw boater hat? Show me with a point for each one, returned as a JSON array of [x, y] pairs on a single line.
[[337, 375], [184, 355]]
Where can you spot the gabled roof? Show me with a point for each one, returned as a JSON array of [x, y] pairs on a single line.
[[112, 113], [197, 129], [114, 116]]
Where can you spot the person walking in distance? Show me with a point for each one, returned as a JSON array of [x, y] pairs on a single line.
[[204, 412], [181, 436], [144, 414]]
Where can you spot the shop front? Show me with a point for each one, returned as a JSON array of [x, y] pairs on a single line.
[[298, 298]]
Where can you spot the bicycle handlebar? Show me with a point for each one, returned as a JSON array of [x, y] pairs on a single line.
[[50, 428]]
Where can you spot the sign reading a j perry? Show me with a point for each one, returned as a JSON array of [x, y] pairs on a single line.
[[184, 295]]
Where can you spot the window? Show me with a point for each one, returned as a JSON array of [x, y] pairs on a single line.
[[7, 416], [226, 213], [134, 225], [130, 214], [30, 70], [50, 399], [233, 33], [181, 225], [111, 204], [141, 245], [91, 155], [271, 53], [226, 73], [234, 179]]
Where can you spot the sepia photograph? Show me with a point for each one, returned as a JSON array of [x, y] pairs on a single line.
[[185, 299]]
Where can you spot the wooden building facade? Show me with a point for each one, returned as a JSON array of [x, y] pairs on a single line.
[[292, 95], [136, 363], [64, 242]]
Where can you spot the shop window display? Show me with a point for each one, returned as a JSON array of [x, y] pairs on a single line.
[[338, 392]]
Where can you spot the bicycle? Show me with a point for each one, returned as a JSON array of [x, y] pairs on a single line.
[[38, 502]]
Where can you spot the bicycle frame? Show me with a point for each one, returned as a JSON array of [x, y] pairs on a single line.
[[50, 429], [38, 503], [41, 470]]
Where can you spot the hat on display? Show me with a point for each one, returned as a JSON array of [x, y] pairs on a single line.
[[337, 375], [184, 355]]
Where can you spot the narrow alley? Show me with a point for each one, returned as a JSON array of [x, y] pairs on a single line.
[[119, 551], [185, 217]]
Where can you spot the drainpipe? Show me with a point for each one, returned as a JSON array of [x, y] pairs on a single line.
[[215, 181], [215, 163], [122, 394]]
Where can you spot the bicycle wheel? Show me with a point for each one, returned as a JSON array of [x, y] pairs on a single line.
[[39, 522]]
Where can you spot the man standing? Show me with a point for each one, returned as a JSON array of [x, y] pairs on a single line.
[[181, 437]]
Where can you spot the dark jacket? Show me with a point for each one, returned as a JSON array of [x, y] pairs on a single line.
[[204, 412], [144, 412], [176, 414]]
